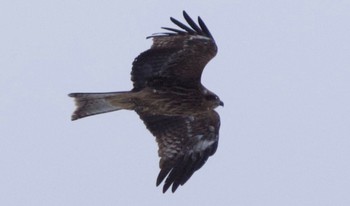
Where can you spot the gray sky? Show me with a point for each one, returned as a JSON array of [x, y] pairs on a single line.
[[283, 71]]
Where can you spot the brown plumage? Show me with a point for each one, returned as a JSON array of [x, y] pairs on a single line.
[[168, 96]]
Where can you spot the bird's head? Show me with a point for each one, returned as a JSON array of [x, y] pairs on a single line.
[[213, 100]]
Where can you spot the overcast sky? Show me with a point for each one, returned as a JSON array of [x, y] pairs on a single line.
[[283, 71]]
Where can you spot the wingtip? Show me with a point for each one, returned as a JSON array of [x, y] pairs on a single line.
[[174, 187], [74, 117], [193, 28], [71, 94], [166, 187], [185, 15], [204, 27]]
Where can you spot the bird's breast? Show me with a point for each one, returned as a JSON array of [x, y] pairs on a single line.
[[171, 102]]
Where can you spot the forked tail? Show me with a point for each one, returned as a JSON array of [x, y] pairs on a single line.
[[97, 103]]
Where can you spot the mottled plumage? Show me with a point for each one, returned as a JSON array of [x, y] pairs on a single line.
[[168, 96]]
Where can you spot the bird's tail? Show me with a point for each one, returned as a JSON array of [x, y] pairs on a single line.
[[96, 103]]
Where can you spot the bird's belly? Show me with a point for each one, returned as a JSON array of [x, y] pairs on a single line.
[[170, 104]]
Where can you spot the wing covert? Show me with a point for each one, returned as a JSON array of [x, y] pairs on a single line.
[[185, 143]]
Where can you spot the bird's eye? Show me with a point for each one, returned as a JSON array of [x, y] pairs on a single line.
[[211, 97]]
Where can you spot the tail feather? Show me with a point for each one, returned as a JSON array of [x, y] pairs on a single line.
[[96, 103]]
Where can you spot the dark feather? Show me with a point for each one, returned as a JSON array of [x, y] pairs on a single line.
[[177, 31], [185, 144], [182, 26], [192, 23], [204, 27], [171, 59], [194, 29]]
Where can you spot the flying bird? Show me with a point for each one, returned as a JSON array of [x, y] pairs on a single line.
[[169, 97]]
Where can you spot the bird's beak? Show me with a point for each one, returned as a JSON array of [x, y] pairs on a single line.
[[221, 103]]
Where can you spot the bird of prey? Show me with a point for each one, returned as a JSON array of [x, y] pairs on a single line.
[[168, 96]]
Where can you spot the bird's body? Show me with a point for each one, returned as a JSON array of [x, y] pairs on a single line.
[[170, 99]]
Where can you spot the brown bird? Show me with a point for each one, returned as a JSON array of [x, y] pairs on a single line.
[[168, 96]]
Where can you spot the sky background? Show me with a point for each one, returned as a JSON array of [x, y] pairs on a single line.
[[283, 71]]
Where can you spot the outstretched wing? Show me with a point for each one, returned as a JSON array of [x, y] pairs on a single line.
[[185, 143], [176, 57]]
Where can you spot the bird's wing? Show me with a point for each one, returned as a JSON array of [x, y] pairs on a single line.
[[185, 143], [175, 57]]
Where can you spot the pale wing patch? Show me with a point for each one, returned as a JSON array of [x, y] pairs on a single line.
[[202, 142], [188, 123], [203, 145], [200, 37]]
